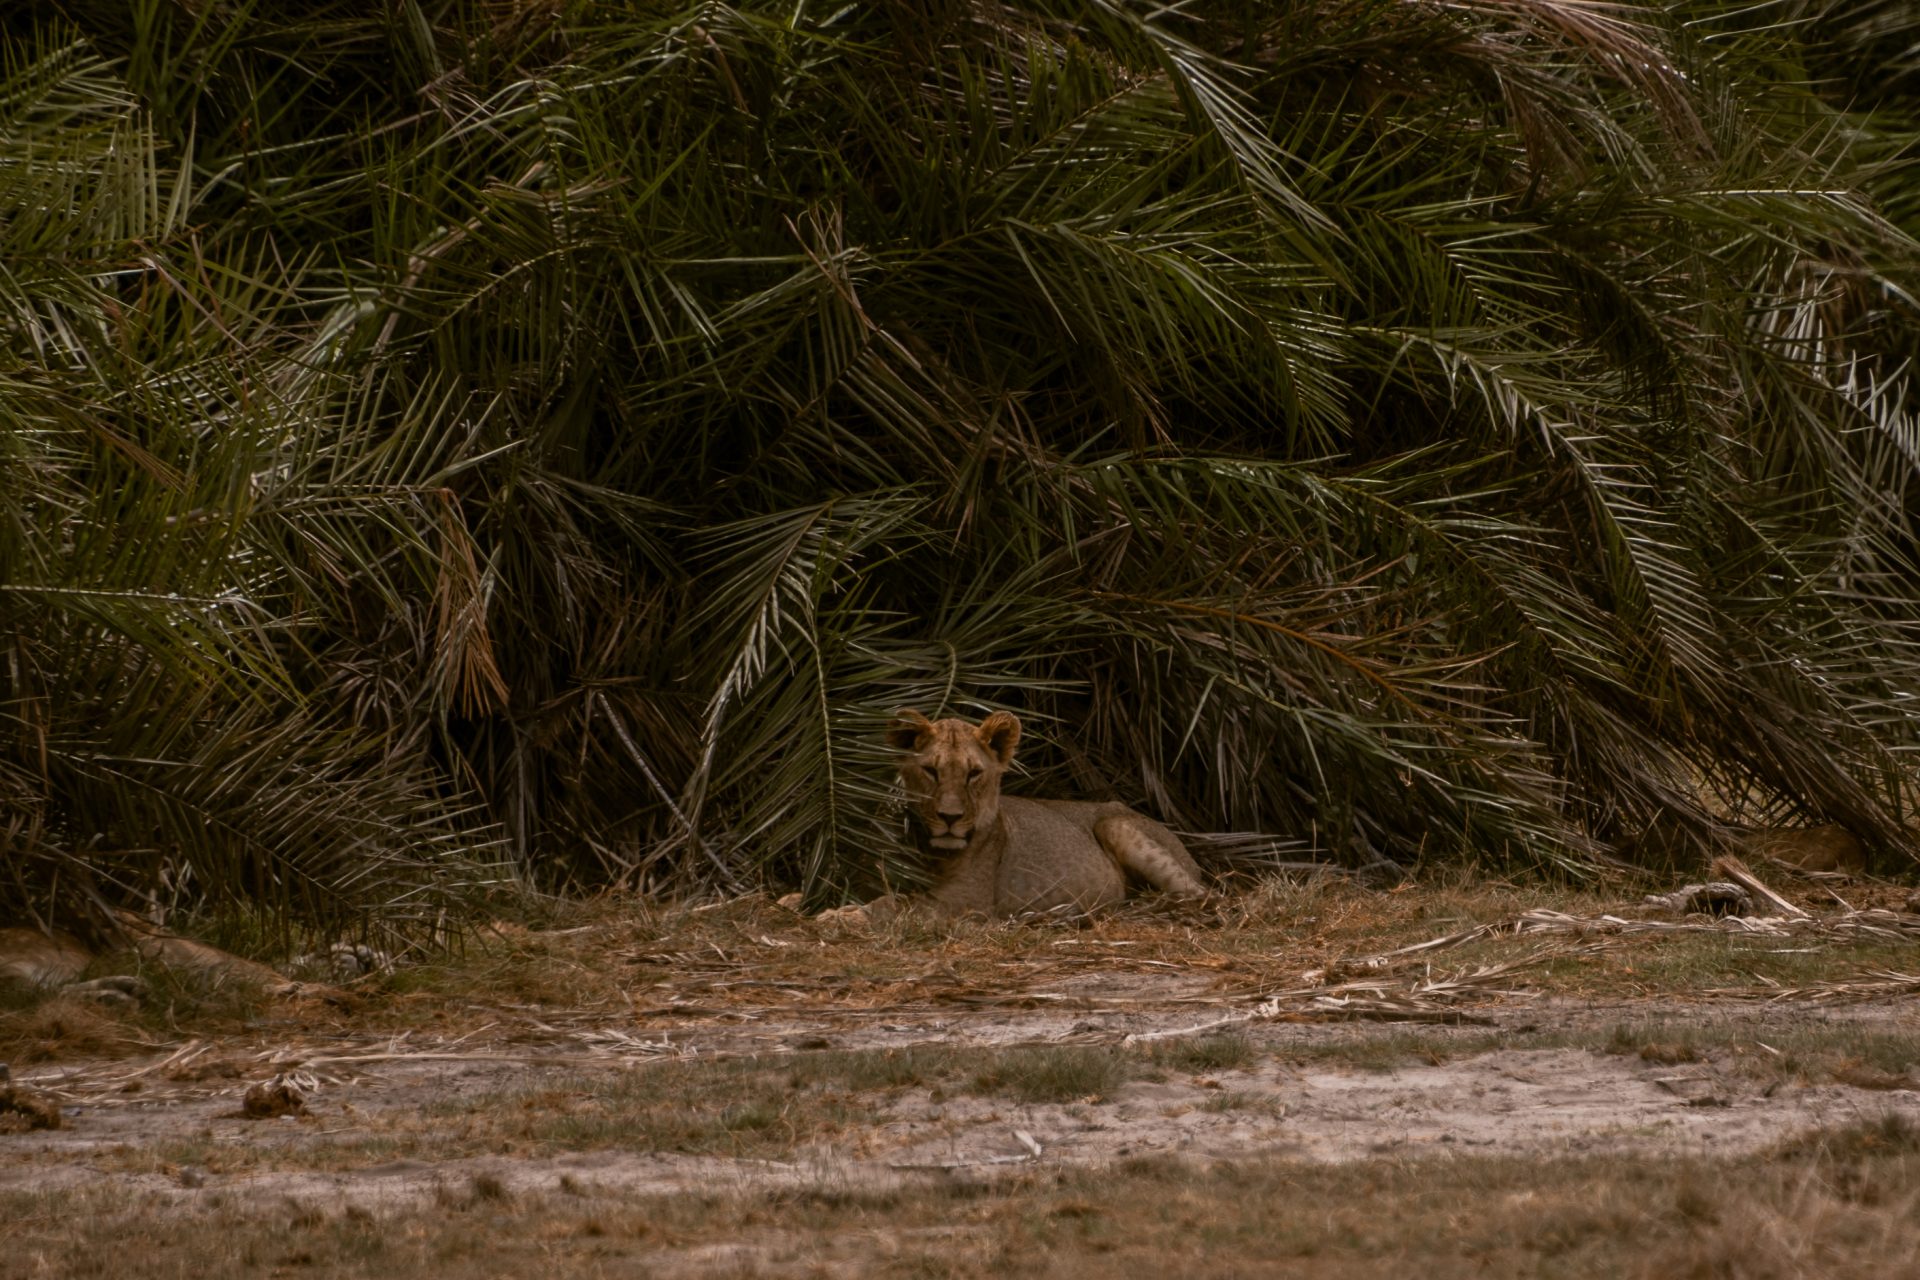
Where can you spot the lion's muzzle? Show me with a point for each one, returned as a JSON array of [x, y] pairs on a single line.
[[949, 825]]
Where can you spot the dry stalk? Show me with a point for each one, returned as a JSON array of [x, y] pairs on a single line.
[[1873, 923], [1873, 984], [1737, 871]]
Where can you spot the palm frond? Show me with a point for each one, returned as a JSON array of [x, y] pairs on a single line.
[[503, 443]]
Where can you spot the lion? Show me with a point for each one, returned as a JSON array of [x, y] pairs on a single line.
[[1005, 855], [32, 959], [1828, 848]]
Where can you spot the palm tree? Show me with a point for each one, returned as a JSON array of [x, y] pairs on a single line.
[[526, 441]]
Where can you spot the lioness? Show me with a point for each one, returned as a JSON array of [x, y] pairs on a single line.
[[35, 960], [1003, 855], [1827, 848]]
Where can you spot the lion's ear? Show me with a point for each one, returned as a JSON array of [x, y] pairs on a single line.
[[999, 733], [909, 730]]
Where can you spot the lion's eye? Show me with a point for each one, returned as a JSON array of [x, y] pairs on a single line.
[[930, 771], [973, 773]]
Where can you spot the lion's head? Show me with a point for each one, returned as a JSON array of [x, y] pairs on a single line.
[[951, 770]]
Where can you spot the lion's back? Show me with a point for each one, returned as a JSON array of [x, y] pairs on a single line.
[[1827, 848], [1052, 857]]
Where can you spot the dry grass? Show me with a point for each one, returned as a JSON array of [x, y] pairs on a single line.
[[663, 961], [653, 969], [1827, 1203], [54, 1026], [51, 1025]]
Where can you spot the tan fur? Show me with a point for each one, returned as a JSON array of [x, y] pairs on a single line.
[[30, 958], [1004, 855], [1828, 848], [185, 955]]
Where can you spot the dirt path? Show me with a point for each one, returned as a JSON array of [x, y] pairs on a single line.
[[1535, 1076]]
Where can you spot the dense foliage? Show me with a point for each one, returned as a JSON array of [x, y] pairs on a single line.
[[451, 443]]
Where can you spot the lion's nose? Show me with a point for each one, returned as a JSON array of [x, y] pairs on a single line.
[[951, 816]]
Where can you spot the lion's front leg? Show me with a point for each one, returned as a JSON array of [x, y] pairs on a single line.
[[1146, 849]]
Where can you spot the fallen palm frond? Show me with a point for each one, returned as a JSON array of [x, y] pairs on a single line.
[[1873, 984], [1874, 923], [613, 1042], [1385, 999], [1738, 872]]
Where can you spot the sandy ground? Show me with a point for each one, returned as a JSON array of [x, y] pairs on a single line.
[[1298, 1097]]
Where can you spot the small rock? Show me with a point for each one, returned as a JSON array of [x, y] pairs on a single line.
[[191, 1176]]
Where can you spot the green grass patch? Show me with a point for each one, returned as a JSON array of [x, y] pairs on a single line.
[[1231, 1051], [1064, 1074], [1850, 1052]]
